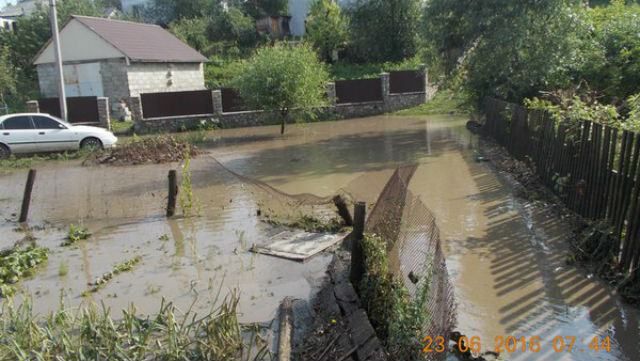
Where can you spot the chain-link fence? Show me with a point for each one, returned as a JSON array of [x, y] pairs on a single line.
[[415, 252]]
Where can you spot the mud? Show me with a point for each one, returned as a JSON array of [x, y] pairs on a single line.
[[505, 254]]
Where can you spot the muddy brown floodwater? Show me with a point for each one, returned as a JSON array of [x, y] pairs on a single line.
[[505, 255]]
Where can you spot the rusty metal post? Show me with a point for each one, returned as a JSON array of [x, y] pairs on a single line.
[[357, 254], [173, 193], [26, 199]]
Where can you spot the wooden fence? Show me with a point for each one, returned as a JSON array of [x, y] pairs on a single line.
[[594, 168], [197, 102], [79, 109]]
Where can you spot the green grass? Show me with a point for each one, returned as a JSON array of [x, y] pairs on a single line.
[[444, 102], [102, 281], [63, 269], [397, 318], [121, 128], [93, 333], [22, 162]]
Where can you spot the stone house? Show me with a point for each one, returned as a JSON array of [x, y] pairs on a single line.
[[119, 59]]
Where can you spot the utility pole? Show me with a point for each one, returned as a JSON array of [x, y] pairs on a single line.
[[53, 16]]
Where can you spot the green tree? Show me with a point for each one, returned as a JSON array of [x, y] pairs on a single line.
[[384, 30], [233, 25], [261, 8], [284, 79], [327, 28], [31, 35], [511, 49], [7, 76], [616, 70]]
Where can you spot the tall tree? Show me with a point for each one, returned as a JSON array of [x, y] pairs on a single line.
[[326, 28], [283, 79], [384, 30], [509, 49]]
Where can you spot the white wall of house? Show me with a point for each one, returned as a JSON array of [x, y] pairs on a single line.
[[7, 24], [164, 77], [298, 9], [93, 46]]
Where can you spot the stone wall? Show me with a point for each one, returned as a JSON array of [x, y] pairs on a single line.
[[164, 77], [390, 103], [115, 83]]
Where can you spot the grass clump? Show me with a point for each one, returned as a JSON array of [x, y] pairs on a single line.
[[186, 198], [102, 281], [397, 318], [311, 224], [76, 234], [18, 263], [63, 269], [93, 334], [20, 162]]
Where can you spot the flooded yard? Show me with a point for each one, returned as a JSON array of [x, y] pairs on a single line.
[[506, 256]]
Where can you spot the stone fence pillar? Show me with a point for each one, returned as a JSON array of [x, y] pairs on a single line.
[[216, 95], [427, 88], [33, 106], [104, 117], [385, 79], [331, 93], [135, 105]]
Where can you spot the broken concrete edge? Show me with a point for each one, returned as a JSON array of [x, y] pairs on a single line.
[[341, 329]]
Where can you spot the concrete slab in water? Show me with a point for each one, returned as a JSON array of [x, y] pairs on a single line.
[[298, 245]]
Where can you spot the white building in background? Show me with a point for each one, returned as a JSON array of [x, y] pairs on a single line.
[[7, 24], [298, 10]]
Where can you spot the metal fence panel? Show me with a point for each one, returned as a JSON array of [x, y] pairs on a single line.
[[407, 81], [79, 109], [358, 91], [232, 102], [196, 102]]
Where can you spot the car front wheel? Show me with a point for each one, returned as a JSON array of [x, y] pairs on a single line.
[[91, 144], [4, 152]]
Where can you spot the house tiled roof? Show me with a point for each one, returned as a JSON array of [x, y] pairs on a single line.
[[142, 42]]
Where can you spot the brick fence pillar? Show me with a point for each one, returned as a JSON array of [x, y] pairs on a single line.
[[33, 106], [216, 95], [385, 79], [331, 93], [135, 105], [104, 117]]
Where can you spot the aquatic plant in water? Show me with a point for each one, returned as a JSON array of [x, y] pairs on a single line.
[[18, 263], [102, 281], [75, 234]]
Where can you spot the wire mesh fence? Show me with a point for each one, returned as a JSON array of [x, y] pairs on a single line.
[[415, 251]]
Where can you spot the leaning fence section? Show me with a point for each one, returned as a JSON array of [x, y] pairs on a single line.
[[415, 251], [594, 168]]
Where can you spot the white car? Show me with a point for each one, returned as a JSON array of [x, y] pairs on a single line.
[[38, 132]]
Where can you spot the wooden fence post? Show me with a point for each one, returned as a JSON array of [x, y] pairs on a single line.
[[357, 254], [26, 199], [343, 211], [173, 192]]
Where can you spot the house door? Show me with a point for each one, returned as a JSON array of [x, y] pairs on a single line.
[[83, 80]]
